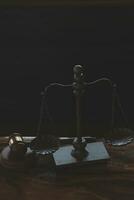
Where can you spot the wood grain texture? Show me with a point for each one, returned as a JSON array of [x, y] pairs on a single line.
[[113, 182]]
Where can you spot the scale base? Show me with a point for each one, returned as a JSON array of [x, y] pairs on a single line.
[[97, 152]]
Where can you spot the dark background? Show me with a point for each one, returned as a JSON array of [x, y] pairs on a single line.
[[41, 45]]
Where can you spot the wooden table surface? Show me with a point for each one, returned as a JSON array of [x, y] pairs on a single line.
[[113, 182]]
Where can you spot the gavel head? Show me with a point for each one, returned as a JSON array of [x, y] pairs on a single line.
[[78, 73], [17, 146]]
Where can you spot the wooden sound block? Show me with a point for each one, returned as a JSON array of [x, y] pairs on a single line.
[[22, 164], [96, 152]]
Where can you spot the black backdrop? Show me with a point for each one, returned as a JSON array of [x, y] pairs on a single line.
[[42, 44]]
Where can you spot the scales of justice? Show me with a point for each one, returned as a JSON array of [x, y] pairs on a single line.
[[29, 152]]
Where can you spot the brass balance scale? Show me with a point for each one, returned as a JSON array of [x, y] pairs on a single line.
[[23, 153]]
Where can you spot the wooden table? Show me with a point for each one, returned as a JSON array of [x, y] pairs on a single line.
[[115, 181]]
